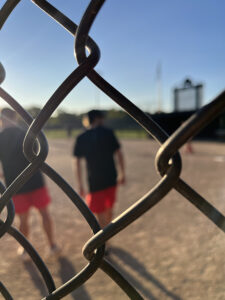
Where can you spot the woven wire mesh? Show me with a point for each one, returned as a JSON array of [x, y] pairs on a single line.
[[167, 161]]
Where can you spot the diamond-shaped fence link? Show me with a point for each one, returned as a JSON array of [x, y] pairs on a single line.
[[168, 160]]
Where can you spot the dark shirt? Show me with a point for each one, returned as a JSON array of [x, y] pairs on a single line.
[[14, 161], [97, 146]]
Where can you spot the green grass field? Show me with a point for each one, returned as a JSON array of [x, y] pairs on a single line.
[[122, 134]]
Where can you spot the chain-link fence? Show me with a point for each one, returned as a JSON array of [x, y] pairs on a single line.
[[168, 160]]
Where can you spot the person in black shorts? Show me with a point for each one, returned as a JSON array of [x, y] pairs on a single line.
[[34, 192], [98, 146]]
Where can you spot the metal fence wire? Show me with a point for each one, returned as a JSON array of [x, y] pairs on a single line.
[[167, 161]]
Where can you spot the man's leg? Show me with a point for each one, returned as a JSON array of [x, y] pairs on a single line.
[[109, 215], [24, 223], [41, 200], [24, 229], [105, 217], [48, 226], [22, 209]]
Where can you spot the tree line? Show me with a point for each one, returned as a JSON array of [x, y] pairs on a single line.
[[120, 120], [115, 119]]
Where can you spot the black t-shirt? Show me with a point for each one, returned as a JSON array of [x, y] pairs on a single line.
[[97, 146], [14, 161]]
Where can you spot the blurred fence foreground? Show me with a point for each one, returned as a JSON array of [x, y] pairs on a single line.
[[168, 160]]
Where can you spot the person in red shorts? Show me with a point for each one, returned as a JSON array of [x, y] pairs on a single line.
[[34, 192], [98, 146]]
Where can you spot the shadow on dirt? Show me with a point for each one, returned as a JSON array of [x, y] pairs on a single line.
[[125, 258], [36, 278], [118, 257], [66, 272]]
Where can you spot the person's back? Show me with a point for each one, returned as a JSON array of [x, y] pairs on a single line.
[[13, 159], [97, 145]]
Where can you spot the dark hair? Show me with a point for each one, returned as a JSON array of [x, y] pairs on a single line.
[[94, 114], [8, 114]]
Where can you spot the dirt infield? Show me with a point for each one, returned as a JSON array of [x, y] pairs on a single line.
[[172, 252]]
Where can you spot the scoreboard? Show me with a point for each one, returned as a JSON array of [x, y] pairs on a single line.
[[188, 97]]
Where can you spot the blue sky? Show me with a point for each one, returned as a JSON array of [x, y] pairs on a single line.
[[187, 37]]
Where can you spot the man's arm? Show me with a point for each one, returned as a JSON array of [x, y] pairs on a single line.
[[78, 175], [120, 159]]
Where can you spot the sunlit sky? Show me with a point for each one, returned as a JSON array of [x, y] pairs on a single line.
[[186, 37]]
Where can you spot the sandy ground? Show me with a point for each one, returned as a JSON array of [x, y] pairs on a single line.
[[172, 252]]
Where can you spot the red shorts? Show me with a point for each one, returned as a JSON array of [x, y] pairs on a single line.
[[38, 198], [100, 201]]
